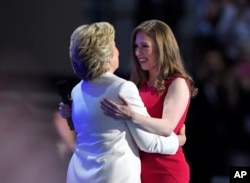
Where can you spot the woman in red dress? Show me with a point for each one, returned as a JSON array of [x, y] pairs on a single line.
[[166, 89]]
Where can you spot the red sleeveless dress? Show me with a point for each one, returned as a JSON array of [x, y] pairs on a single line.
[[158, 168]]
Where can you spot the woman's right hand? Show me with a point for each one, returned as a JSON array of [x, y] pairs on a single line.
[[117, 111], [64, 110]]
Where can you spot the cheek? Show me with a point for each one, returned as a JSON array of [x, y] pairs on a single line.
[[153, 61], [116, 52], [153, 54]]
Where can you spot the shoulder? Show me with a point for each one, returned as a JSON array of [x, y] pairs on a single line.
[[124, 84], [177, 80], [76, 87], [129, 86], [179, 85]]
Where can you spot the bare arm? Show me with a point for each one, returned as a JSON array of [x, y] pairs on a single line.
[[65, 112], [175, 103], [147, 142]]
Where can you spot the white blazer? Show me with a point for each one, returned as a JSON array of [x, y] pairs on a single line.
[[107, 150]]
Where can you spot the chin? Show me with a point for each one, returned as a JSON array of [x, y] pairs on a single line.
[[144, 68]]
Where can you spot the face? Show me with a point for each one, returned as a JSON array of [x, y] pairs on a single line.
[[146, 52], [114, 61]]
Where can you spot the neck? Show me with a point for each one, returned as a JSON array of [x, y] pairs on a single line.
[[152, 78], [111, 69]]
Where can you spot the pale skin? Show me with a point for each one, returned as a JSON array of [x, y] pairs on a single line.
[[175, 102], [172, 111], [65, 110]]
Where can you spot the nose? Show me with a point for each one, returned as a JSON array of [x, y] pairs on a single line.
[[137, 52]]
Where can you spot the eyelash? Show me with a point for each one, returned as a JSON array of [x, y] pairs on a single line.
[[143, 46]]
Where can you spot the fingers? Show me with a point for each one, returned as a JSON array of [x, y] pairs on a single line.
[[107, 110], [109, 107], [62, 105], [183, 129], [112, 109], [110, 103], [64, 110]]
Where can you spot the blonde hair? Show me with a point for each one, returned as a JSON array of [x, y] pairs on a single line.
[[170, 61], [91, 49]]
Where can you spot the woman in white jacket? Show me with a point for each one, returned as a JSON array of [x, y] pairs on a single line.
[[106, 150]]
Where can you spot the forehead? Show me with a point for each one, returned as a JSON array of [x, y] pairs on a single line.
[[142, 37]]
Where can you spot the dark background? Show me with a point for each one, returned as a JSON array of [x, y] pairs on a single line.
[[34, 41]]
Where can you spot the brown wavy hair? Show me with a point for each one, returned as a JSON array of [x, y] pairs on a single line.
[[170, 61]]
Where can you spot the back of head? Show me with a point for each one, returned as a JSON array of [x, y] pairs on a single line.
[[91, 49]]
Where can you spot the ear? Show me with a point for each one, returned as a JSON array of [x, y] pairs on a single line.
[[108, 64]]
